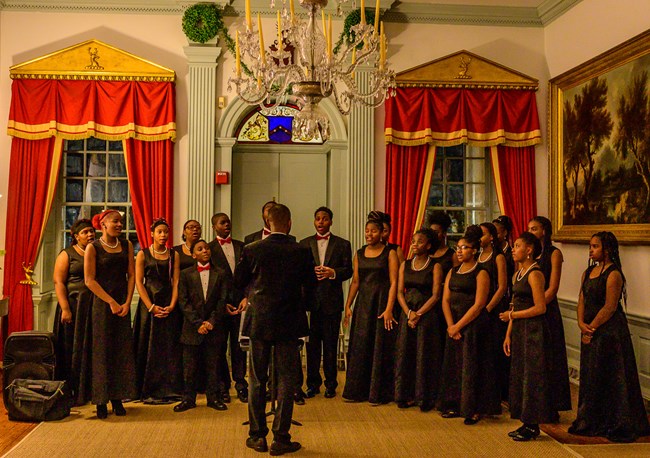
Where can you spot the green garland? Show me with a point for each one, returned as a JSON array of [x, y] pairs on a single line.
[[202, 22], [352, 19]]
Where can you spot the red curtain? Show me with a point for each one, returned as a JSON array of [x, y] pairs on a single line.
[[33, 172], [514, 172], [150, 166], [405, 171]]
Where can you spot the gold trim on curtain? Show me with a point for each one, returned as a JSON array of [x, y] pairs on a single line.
[[497, 177], [424, 194]]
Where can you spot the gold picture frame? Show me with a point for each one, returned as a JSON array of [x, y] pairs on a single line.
[[600, 146]]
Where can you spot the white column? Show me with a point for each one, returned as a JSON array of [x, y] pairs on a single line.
[[202, 83]]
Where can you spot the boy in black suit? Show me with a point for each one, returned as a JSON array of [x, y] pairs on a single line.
[[202, 297], [225, 253], [333, 259], [266, 230]]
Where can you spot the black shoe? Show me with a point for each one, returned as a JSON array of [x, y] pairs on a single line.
[[280, 448], [299, 399], [311, 392], [217, 404], [471, 420], [243, 395], [526, 434], [330, 393], [405, 404], [450, 414], [183, 406], [516, 431], [102, 411], [257, 443], [225, 397], [118, 408]]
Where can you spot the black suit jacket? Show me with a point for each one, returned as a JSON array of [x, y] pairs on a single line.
[[220, 261], [195, 309], [328, 295], [255, 236], [275, 272]]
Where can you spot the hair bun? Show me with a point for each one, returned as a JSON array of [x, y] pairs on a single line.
[[473, 232]]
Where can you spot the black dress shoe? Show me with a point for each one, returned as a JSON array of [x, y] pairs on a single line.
[[280, 448], [526, 433], [102, 411], [330, 393], [217, 404], [183, 406], [311, 392], [299, 399], [450, 414], [242, 395], [118, 408], [225, 397], [516, 431], [471, 420], [257, 443]]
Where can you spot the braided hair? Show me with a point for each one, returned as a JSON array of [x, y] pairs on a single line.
[[610, 246], [376, 218], [491, 228], [548, 230]]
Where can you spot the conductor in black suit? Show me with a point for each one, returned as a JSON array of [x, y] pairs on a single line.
[[275, 271], [266, 229], [332, 257]]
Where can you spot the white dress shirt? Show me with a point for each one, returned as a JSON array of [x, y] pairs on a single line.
[[229, 251], [205, 278], [322, 247]]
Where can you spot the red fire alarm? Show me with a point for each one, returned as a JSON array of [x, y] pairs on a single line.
[[221, 178]]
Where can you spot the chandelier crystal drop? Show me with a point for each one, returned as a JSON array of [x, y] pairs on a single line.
[[302, 63]]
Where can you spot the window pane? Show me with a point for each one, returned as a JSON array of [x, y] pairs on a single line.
[[71, 215], [95, 144], [455, 170], [74, 190], [116, 165], [115, 146], [118, 191], [74, 165], [67, 239], [133, 237], [96, 165], [95, 210], [74, 145], [475, 170], [475, 151], [455, 195], [95, 190], [457, 221], [455, 151], [475, 195], [130, 221], [437, 167], [476, 216], [435, 196]]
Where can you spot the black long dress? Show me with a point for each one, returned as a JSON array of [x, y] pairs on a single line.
[[74, 340], [530, 388], [468, 382], [559, 370], [610, 402], [419, 353], [370, 372], [112, 355], [186, 261], [446, 262], [498, 327], [158, 353]]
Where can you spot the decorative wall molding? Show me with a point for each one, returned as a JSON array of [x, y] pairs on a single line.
[[426, 13]]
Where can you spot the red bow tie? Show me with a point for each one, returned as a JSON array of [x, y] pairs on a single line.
[[322, 237], [224, 241], [202, 268], [265, 231]]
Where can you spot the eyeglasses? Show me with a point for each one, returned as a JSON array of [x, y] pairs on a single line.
[[463, 247], [191, 227]]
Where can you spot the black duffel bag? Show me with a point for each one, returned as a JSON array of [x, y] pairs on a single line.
[[37, 400]]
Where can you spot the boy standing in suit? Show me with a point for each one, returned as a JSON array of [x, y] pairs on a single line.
[[202, 297], [225, 253], [333, 260], [266, 229]]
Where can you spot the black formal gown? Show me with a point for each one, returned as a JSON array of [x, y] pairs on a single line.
[[468, 381], [446, 262], [186, 261], [610, 403], [530, 387], [158, 353], [419, 352], [370, 372], [74, 340], [559, 369], [112, 350]]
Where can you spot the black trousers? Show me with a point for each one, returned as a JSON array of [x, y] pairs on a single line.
[[323, 341], [286, 361], [237, 357], [204, 357]]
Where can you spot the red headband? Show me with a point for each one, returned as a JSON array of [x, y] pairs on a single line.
[[97, 219]]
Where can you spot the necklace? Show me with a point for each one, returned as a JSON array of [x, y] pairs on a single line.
[[519, 276], [488, 258], [158, 252], [112, 247], [505, 248], [426, 263], [468, 271], [188, 248], [80, 250]]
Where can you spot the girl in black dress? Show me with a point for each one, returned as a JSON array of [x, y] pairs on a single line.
[[419, 353], [110, 274], [530, 388], [503, 223], [610, 403], [158, 322], [493, 261], [72, 324], [439, 223], [370, 372], [191, 234], [550, 263], [468, 384]]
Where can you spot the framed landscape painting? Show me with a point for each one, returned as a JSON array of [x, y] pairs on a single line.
[[599, 115]]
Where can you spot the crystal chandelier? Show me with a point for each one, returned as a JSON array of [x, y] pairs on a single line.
[[313, 70]]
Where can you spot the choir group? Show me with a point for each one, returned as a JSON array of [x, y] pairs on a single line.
[[464, 330]]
